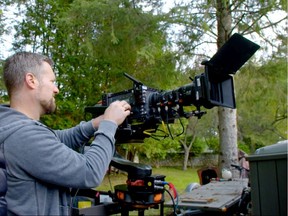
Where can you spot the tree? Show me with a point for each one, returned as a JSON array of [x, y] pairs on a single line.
[[198, 20], [190, 130], [3, 30], [2, 26], [227, 116]]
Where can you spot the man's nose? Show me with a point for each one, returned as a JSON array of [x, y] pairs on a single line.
[[56, 90]]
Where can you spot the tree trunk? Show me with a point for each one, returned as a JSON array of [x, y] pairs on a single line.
[[227, 116], [186, 158], [228, 139], [190, 129]]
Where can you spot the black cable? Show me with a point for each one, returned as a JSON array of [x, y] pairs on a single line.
[[72, 202], [173, 202], [167, 120], [183, 128], [155, 136]]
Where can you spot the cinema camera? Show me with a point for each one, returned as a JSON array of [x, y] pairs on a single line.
[[151, 107]]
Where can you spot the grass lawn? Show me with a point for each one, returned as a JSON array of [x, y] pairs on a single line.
[[175, 175]]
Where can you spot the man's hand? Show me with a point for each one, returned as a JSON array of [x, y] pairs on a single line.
[[117, 112]]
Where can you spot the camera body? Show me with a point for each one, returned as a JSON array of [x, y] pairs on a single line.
[[152, 107]]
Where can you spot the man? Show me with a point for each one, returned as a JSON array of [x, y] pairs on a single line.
[[41, 165]]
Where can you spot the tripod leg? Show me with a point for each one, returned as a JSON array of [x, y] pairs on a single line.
[[161, 209], [141, 212]]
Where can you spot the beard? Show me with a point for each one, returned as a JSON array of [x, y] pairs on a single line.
[[49, 107]]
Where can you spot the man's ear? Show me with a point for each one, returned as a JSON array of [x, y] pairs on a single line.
[[31, 80]]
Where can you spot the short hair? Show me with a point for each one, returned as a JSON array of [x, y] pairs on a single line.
[[18, 65]]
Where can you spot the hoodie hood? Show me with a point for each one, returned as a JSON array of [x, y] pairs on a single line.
[[10, 121]]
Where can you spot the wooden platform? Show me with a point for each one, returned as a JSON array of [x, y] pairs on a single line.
[[215, 196]]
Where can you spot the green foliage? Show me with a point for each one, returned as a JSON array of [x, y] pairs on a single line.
[[116, 38], [102, 39], [3, 92], [244, 147], [198, 147], [262, 103], [213, 144], [156, 149]]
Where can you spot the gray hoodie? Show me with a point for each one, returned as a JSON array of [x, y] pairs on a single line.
[[42, 166]]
